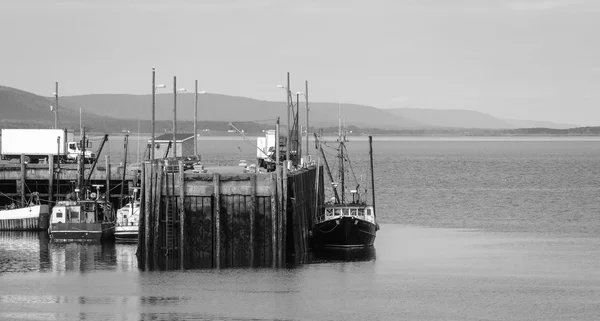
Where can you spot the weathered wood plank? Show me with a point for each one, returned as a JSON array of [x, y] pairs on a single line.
[[181, 217], [252, 214], [22, 182], [157, 240], [274, 217], [147, 176], [50, 179], [217, 220], [284, 215]]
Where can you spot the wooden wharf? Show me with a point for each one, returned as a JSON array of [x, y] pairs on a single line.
[[213, 220], [54, 181]]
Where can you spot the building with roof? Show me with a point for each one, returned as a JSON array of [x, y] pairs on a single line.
[[185, 145]]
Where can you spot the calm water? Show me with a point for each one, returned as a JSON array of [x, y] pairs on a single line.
[[471, 230]]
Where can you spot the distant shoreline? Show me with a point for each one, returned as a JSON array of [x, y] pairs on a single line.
[[252, 137]]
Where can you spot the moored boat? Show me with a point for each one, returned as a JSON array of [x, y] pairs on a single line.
[[346, 224], [85, 215], [90, 219], [33, 216], [127, 221]]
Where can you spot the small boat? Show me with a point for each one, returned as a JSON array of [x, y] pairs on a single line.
[[127, 222], [84, 216], [89, 219], [346, 224], [33, 216]]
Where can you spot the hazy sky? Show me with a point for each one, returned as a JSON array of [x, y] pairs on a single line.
[[525, 59]]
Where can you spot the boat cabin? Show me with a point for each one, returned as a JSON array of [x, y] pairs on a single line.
[[335, 211], [78, 212]]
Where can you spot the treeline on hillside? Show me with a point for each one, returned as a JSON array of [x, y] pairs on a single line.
[[103, 125], [578, 131]]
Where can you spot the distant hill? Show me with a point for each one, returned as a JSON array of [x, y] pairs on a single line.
[[21, 109], [17, 106], [461, 118], [114, 113], [538, 124], [216, 107]]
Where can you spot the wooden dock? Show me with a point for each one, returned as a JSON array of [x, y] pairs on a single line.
[[54, 181], [213, 220]]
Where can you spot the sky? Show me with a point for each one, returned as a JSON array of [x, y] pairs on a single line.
[[528, 59]]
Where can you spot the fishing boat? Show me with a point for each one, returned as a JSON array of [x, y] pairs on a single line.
[[32, 216], [89, 218], [128, 218], [84, 215], [346, 223]]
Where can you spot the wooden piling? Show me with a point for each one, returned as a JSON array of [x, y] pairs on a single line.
[[284, 214], [107, 175], [22, 184], [50, 178], [147, 176], [275, 205], [181, 216], [252, 213], [156, 197], [217, 219]]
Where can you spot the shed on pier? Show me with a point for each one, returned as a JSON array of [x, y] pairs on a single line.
[[185, 145]]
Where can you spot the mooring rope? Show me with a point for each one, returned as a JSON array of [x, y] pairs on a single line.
[[334, 227]]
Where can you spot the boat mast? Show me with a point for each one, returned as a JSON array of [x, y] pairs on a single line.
[[126, 147], [341, 152], [335, 193], [372, 177]]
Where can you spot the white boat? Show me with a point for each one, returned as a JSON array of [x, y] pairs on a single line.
[[128, 219], [34, 216]]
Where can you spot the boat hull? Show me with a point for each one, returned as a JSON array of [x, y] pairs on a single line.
[[81, 232], [126, 233], [344, 233], [30, 218]]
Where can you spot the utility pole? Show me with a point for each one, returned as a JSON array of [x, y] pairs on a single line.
[[306, 99], [80, 128], [153, 110], [277, 144], [174, 116], [297, 132], [289, 121], [196, 118], [56, 105]]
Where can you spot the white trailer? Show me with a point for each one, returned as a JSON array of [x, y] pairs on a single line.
[[37, 144]]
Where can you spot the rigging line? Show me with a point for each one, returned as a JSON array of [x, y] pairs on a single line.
[[351, 168], [9, 198]]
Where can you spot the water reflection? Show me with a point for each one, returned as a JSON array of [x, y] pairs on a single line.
[[34, 251], [23, 251], [354, 255]]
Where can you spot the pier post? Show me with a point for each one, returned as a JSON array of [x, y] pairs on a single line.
[[217, 218], [22, 184], [50, 179], [107, 176], [158, 181], [181, 216], [252, 213], [147, 176], [275, 209], [283, 222]]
